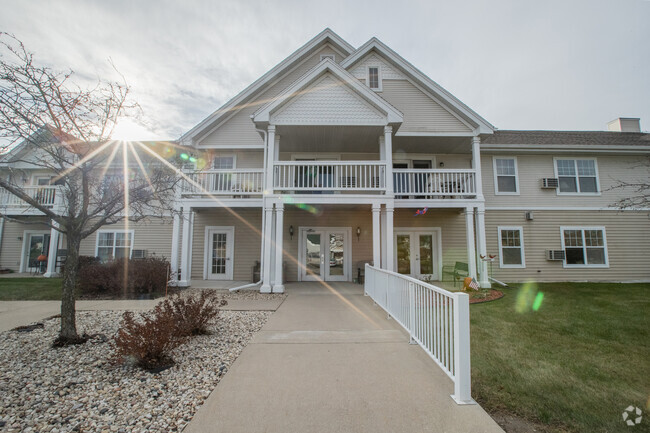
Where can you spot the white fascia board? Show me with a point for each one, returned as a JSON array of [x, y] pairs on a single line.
[[561, 208], [393, 116], [435, 134], [563, 148], [229, 106], [484, 127]]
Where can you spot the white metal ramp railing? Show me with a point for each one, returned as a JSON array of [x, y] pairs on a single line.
[[436, 319]]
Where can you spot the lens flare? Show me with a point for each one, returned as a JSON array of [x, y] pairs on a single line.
[[528, 298], [537, 303]]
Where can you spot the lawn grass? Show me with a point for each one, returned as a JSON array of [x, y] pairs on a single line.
[[574, 364], [30, 289]]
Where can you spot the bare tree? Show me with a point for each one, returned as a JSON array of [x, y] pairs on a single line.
[[636, 192], [49, 123]]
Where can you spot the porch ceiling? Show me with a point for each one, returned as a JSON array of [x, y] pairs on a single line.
[[303, 138]]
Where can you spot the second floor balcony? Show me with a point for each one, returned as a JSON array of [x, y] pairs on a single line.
[[47, 196]]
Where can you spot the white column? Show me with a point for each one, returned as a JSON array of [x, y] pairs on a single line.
[[484, 281], [390, 265], [382, 232], [185, 249], [270, 155], [278, 287], [376, 235], [173, 261], [51, 255], [476, 165], [388, 144], [266, 271], [471, 248]]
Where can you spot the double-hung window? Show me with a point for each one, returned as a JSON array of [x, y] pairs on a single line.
[[115, 244], [505, 176], [511, 247], [577, 176], [584, 247], [374, 80]]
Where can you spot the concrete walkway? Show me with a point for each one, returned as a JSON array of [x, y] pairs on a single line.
[[328, 360], [18, 313]]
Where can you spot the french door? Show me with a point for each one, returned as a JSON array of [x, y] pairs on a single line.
[[324, 254], [219, 253], [416, 253]]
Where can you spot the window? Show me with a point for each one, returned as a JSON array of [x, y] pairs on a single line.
[[505, 176], [42, 180], [584, 247], [114, 244], [223, 162], [577, 175], [374, 81], [511, 247], [327, 56]]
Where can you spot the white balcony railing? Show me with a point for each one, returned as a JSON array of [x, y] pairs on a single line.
[[240, 182], [436, 319], [306, 176], [434, 183], [44, 195]]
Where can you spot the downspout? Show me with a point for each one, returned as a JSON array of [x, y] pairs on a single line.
[[263, 237]]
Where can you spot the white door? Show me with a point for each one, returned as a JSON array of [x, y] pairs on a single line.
[[324, 254], [416, 253], [36, 245], [219, 253]]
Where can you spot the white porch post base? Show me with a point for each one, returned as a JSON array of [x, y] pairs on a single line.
[[266, 272], [278, 287], [483, 276], [390, 244], [52, 252], [471, 245], [186, 248]]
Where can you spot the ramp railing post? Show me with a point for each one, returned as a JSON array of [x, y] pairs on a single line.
[[462, 366]]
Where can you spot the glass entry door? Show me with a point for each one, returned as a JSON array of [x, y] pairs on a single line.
[[219, 253], [324, 255], [416, 254], [38, 245]]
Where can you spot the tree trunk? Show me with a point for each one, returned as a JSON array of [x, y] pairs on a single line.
[[68, 332]]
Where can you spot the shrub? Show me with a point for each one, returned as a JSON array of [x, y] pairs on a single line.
[[194, 313], [148, 342], [144, 278]]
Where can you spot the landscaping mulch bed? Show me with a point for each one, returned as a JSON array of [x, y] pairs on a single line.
[[76, 388], [492, 295]]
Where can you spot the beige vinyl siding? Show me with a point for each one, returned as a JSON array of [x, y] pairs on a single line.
[[250, 159], [627, 237], [239, 128], [12, 247], [153, 235], [247, 223], [533, 168], [421, 113], [451, 223]]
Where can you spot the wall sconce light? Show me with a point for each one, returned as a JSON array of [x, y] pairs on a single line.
[[291, 232], [442, 164], [358, 233], [20, 238]]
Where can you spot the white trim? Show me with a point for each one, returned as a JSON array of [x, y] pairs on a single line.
[[577, 177], [435, 134], [584, 247], [325, 231], [230, 248], [231, 106], [417, 230], [36, 177], [25, 250], [379, 77], [375, 44], [320, 156], [496, 177], [521, 247], [564, 148], [224, 155], [131, 232]]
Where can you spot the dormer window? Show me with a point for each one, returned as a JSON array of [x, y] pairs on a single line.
[[374, 81], [327, 56]]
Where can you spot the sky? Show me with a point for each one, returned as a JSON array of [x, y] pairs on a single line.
[[521, 64]]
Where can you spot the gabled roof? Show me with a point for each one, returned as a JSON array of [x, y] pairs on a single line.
[[45, 134], [568, 138], [420, 78], [326, 36], [393, 115]]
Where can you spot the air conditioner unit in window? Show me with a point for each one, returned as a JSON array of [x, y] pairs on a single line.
[[139, 254], [554, 254], [550, 182]]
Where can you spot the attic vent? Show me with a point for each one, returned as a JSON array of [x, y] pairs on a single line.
[[554, 254], [327, 56], [550, 182], [529, 216]]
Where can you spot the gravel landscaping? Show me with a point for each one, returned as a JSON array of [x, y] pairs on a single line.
[[77, 389]]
